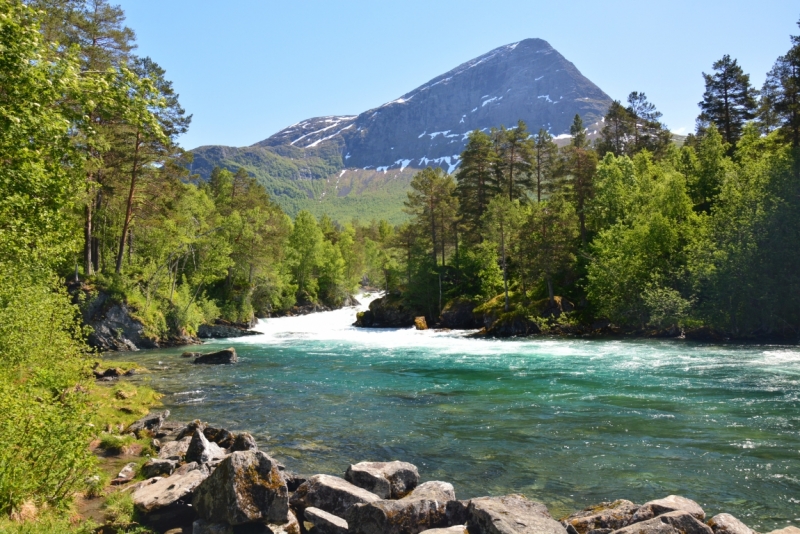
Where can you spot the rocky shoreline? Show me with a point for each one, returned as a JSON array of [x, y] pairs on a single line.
[[207, 480], [204, 479]]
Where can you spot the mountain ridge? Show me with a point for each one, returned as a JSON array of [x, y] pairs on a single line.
[[303, 165]]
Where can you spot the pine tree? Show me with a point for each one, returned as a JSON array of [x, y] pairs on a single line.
[[781, 94], [578, 132], [477, 182], [545, 155], [617, 132], [648, 131], [514, 154], [729, 100]]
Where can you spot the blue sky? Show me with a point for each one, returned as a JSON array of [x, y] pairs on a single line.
[[246, 69]]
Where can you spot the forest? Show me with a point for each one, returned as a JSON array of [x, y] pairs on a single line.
[[631, 228]]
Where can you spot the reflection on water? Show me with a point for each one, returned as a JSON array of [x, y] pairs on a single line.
[[568, 422]]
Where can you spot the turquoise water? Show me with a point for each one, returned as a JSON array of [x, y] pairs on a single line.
[[567, 422]]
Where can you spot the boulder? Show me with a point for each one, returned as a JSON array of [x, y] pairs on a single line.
[[458, 529], [243, 442], [191, 355], [727, 524], [204, 527], [331, 494], [150, 423], [670, 503], [114, 328], [246, 487], [458, 315], [420, 323], [188, 429], [223, 329], [125, 475], [387, 480], [290, 526], [511, 324], [606, 515], [221, 357], [325, 523], [510, 514], [386, 312], [165, 502], [168, 431], [156, 467], [174, 450], [668, 523], [220, 436], [422, 509], [786, 530], [293, 480], [203, 451], [456, 512]]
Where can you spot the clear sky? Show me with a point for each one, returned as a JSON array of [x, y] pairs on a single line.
[[248, 68]]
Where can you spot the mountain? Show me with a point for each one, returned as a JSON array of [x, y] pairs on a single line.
[[360, 165]]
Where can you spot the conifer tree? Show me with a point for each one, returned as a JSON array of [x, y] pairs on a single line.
[[545, 155], [648, 131], [477, 182], [514, 154], [729, 99], [578, 132], [617, 132], [781, 94]]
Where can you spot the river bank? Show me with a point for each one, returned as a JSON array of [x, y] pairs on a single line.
[[203, 480]]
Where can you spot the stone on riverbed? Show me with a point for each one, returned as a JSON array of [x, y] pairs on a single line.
[[458, 529], [331, 494], [670, 503], [246, 487], [727, 524], [423, 509], [606, 515], [325, 523], [221, 357], [387, 480], [202, 451], [510, 514]]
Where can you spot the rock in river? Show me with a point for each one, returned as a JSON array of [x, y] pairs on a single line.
[[325, 523], [218, 358], [423, 509], [670, 503], [727, 524]]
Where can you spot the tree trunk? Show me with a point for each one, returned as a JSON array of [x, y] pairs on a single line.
[[505, 272], [129, 210], [88, 265], [550, 290]]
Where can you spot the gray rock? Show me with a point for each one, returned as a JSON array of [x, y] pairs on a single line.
[[220, 436], [325, 523], [125, 475], [331, 494], [221, 330], [203, 451], [670, 503], [294, 480], [606, 515], [174, 450], [387, 480], [116, 329], [422, 509], [456, 512], [168, 431], [786, 530], [458, 529], [457, 314], [156, 467], [290, 526], [727, 524], [221, 357], [164, 502], [510, 514], [679, 521], [246, 487], [204, 527], [150, 423], [243, 442], [191, 466]]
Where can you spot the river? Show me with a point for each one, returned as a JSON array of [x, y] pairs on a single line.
[[567, 422]]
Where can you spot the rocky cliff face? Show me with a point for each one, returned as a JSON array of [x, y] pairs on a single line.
[[528, 80]]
